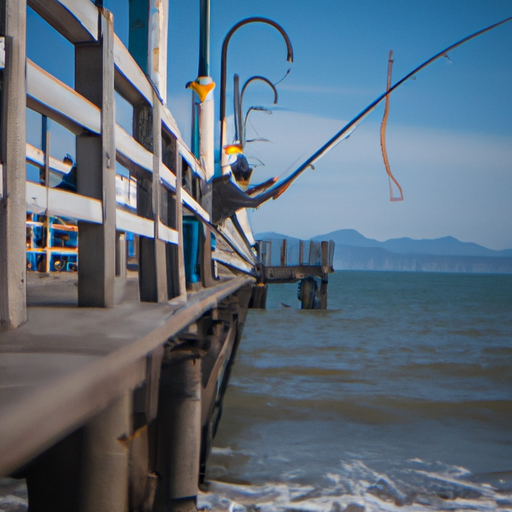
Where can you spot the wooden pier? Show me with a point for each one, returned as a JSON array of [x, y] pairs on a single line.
[[111, 377], [125, 273], [290, 260]]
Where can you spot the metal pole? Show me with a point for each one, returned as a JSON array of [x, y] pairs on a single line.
[[203, 85], [204, 39]]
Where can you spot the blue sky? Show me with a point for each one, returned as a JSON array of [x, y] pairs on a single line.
[[449, 131], [449, 135]]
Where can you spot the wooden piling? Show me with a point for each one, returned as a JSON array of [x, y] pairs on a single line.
[[105, 459], [88, 470], [323, 292], [259, 296], [178, 437]]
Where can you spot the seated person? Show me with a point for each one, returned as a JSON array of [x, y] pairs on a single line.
[[69, 180]]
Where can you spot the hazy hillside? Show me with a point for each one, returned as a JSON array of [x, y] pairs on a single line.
[[446, 246], [348, 257], [356, 252]]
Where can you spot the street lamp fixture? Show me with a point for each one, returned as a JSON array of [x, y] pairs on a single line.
[[255, 19]]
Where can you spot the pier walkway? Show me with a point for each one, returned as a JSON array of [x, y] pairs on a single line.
[[112, 370], [66, 364]]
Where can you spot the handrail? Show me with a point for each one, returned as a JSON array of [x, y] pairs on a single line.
[[76, 20], [52, 98], [60, 102]]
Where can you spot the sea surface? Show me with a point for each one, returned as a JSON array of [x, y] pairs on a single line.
[[398, 397]]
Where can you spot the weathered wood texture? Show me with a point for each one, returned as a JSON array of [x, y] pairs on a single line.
[[178, 429], [88, 470], [12, 170], [291, 273], [76, 20], [96, 168], [152, 263], [93, 358]]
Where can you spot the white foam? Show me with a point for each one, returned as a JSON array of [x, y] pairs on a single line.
[[11, 500], [357, 485], [222, 451]]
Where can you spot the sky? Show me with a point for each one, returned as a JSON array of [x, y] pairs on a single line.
[[449, 135]]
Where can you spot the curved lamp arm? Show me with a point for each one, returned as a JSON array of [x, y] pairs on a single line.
[[263, 79], [254, 19], [241, 99]]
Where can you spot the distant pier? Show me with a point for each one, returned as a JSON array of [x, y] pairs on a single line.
[[287, 261]]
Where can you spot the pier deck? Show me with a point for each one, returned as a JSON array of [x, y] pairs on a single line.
[[67, 363]]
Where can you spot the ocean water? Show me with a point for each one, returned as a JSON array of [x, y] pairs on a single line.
[[398, 397]]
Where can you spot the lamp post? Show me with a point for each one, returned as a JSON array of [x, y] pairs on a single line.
[[255, 19]]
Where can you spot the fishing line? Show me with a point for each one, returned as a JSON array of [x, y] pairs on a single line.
[[383, 125]]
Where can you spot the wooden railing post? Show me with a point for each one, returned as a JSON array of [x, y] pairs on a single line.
[[152, 263], [325, 254], [96, 169], [13, 310], [283, 252], [179, 226]]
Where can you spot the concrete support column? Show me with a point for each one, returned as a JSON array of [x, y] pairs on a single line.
[[178, 433], [88, 470], [96, 169], [12, 171]]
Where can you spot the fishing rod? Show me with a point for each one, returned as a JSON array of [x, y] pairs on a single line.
[[345, 132]]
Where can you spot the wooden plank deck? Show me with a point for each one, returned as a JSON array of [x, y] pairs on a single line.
[[67, 363]]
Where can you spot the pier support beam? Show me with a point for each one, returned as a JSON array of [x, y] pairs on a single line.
[[259, 296], [88, 470], [311, 295], [105, 459], [178, 436], [12, 166], [323, 292], [307, 293]]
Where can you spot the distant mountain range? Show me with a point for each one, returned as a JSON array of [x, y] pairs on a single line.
[[356, 252]]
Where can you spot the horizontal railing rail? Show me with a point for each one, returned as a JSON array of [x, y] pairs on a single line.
[[158, 181]]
